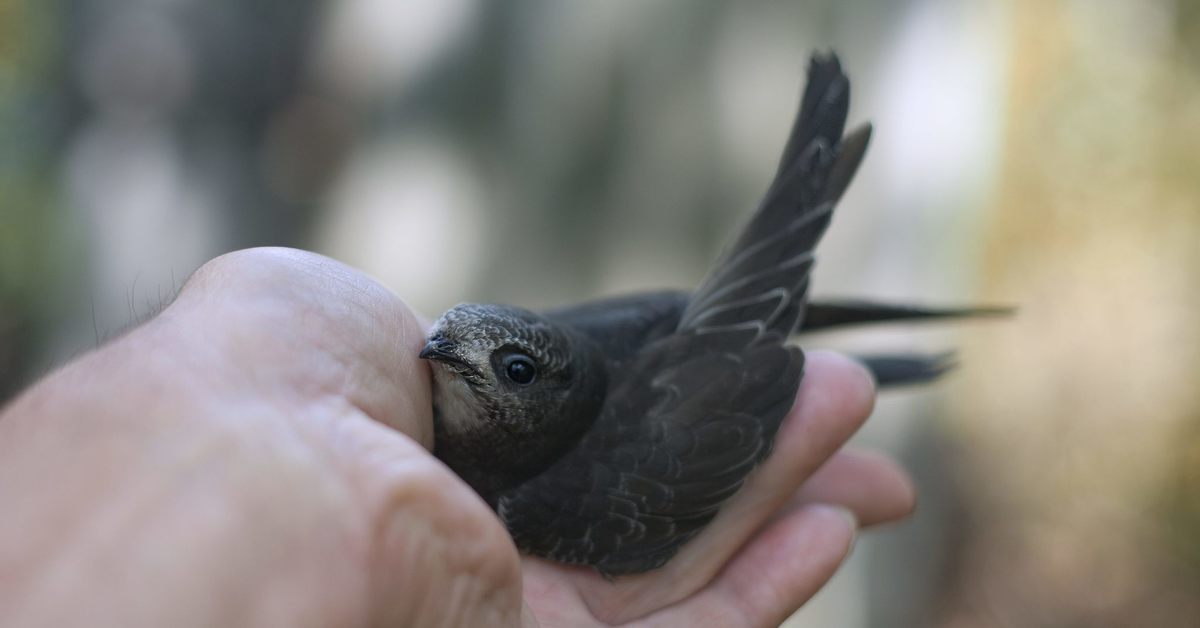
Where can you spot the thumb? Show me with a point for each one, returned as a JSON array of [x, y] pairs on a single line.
[[436, 554], [316, 327]]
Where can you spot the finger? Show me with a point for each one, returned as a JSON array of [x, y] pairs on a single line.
[[869, 484], [774, 575], [427, 537], [836, 396]]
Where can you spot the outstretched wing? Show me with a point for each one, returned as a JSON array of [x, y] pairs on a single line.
[[688, 418], [763, 278]]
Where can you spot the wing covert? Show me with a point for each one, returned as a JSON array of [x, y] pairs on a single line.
[[678, 436]]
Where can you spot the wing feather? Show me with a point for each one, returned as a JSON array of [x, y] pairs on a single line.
[[774, 250], [660, 460], [691, 413]]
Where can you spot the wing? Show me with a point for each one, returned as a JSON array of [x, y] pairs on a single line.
[[762, 279], [686, 420], [677, 438]]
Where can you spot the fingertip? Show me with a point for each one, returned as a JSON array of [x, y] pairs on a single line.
[[872, 485], [895, 487], [840, 523], [835, 389], [847, 515], [906, 494], [788, 563], [851, 379]]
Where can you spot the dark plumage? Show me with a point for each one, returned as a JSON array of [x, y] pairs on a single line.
[[609, 433]]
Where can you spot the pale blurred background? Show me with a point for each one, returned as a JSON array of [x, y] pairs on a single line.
[[1043, 154]]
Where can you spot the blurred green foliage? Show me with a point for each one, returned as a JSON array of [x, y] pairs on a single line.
[[34, 234]]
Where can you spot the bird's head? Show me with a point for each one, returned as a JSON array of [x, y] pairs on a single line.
[[507, 369]]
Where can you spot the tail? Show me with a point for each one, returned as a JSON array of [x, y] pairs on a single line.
[[827, 314], [760, 284], [898, 369], [906, 369]]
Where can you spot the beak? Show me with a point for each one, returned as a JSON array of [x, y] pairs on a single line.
[[441, 349]]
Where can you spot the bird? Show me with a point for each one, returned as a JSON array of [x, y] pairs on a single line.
[[610, 433]]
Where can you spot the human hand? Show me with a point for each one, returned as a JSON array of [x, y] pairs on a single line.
[[258, 454]]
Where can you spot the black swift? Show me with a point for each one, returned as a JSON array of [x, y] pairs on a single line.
[[609, 433]]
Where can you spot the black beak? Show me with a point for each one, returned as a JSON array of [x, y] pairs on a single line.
[[441, 349]]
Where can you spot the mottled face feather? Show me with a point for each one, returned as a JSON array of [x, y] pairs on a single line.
[[508, 382], [481, 330], [498, 364]]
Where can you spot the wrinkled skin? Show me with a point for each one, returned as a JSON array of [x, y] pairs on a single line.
[[268, 437]]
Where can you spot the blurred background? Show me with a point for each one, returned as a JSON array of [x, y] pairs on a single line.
[[1043, 154]]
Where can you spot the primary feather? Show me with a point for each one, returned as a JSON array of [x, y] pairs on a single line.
[[691, 413]]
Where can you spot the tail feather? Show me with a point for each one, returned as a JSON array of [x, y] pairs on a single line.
[[829, 314], [904, 369]]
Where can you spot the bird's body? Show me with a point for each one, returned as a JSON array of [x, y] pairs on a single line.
[[610, 433]]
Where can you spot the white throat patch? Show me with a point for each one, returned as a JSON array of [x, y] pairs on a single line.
[[458, 407]]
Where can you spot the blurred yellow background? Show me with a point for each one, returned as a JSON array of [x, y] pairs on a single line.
[[1042, 154]]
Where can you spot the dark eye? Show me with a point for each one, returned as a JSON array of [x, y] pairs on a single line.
[[520, 369]]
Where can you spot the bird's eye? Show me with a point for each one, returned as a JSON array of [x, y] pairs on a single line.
[[520, 369]]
